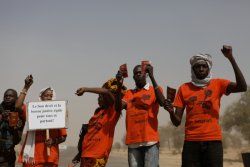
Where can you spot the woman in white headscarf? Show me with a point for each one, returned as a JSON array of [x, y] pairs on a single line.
[[34, 151], [201, 99]]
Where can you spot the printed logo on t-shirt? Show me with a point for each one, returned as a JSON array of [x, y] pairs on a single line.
[[141, 103], [205, 105], [145, 97]]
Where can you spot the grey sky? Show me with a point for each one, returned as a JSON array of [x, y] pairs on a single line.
[[70, 44]]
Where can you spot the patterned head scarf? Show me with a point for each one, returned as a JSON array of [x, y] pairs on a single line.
[[112, 86], [197, 59], [44, 90]]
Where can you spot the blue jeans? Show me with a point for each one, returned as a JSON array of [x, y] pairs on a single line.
[[202, 154], [146, 156]]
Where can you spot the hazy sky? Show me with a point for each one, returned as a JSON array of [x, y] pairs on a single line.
[[69, 44]]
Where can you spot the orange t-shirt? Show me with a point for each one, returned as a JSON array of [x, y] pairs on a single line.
[[41, 148], [98, 141], [202, 108], [141, 116]]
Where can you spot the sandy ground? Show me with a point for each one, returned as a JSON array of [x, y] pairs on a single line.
[[232, 158], [167, 159]]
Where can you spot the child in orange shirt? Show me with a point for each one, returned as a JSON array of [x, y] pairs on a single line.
[[98, 140], [201, 99]]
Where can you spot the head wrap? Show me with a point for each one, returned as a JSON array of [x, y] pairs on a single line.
[[197, 59], [112, 85], [44, 90]]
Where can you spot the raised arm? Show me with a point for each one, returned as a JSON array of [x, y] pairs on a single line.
[[240, 84], [20, 100], [119, 104], [103, 91], [158, 93]]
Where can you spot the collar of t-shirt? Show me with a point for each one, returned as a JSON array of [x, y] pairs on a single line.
[[145, 87]]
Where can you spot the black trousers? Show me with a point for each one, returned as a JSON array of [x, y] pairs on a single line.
[[202, 154]]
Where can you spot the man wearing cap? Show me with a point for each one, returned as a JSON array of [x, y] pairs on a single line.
[[201, 99]]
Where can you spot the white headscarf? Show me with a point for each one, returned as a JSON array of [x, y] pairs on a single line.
[[29, 148], [197, 59], [44, 89]]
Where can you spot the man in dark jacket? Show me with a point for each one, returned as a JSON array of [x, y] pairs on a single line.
[[12, 121]]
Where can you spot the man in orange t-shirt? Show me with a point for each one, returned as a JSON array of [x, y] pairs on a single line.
[[201, 99], [142, 106]]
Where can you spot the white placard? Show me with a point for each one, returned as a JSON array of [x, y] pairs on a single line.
[[47, 115]]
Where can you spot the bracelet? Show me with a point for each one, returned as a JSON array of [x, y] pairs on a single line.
[[22, 92]]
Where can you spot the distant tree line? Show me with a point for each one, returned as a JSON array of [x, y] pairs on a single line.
[[235, 121]]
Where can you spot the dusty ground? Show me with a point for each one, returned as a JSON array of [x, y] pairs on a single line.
[[232, 158]]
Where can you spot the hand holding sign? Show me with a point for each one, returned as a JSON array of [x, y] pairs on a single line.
[[144, 64], [171, 93], [168, 103], [124, 70]]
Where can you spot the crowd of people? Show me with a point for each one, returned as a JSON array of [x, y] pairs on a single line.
[[200, 98]]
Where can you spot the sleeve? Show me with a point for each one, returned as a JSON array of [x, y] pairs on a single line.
[[63, 132], [223, 84], [127, 96], [179, 100]]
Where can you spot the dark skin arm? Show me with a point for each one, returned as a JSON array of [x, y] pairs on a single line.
[[175, 116], [158, 93], [19, 102], [118, 101], [240, 84], [49, 142], [119, 104], [103, 91]]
